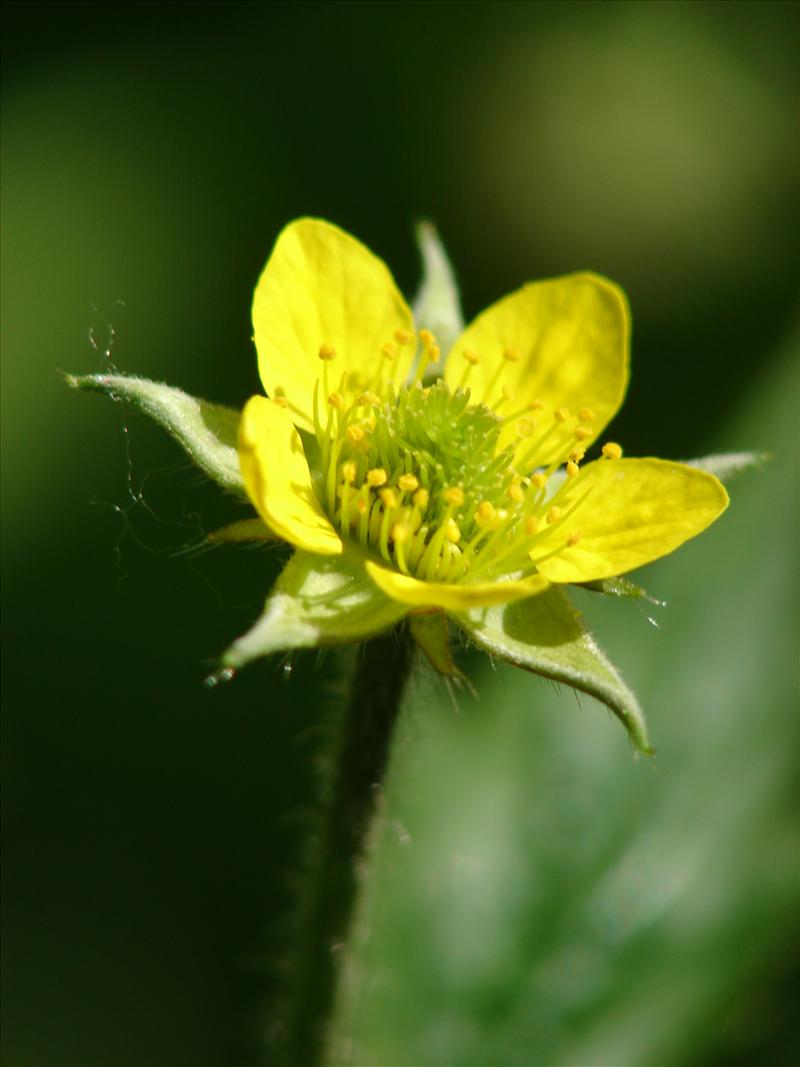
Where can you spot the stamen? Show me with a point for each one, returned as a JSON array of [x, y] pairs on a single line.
[[421, 498], [472, 360], [561, 414], [377, 476], [536, 405], [368, 399], [553, 515], [454, 495], [403, 337], [531, 525], [516, 493], [525, 428], [451, 531], [574, 538], [336, 400], [281, 401], [408, 483], [389, 351], [586, 415], [572, 469], [511, 355], [583, 433], [539, 479], [611, 450], [327, 353], [354, 434]]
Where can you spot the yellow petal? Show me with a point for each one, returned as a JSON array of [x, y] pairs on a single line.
[[278, 481], [567, 340], [322, 287], [636, 510], [450, 596]]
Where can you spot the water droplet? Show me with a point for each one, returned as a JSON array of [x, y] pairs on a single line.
[[288, 667], [224, 674]]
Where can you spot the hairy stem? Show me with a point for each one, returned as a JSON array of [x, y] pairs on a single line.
[[358, 765]]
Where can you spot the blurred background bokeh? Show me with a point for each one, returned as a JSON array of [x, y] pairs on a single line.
[[542, 898]]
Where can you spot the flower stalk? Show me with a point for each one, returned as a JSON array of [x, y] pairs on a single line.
[[356, 772]]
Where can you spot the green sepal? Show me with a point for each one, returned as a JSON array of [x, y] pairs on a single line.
[[616, 587], [437, 306], [546, 635], [317, 600], [207, 432], [727, 465], [245, 530], [431, 632]]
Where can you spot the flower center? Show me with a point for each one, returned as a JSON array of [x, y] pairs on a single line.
[[416, 473]]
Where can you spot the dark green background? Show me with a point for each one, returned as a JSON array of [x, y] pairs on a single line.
[[151, 154]]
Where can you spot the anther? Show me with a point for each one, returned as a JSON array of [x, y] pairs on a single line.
[[577, 454], [553, 515], [574, 538], [561, 414], [377, 476], [454, 495], [512, 355], [525, 428], [408, 483], [536, 405], [400, 533], [470, 357], [368, 399], [403, 337], [421, 498], [452, 532], [327, 352], [426, 337], [539, 479], [389, 351], [611, 450], [583, 433], [586, 415], [484, 513], [572, 469], [354, 434], [516, 493], [336, 400], [507, 392], [281, 401], [388, 498], [531, 525], [349, 471]]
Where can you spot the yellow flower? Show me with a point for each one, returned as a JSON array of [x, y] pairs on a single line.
[[471, 490]]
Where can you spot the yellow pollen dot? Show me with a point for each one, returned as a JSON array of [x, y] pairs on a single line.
[[433, 353], [408, 482], [327, 352], [525, 427], [403, 337], [349, 471], [583, 433], [572, 469], [507, 392], [611, 450], [375, 477], [577, 454], [536, 405], [586, 415], [512, 355], [454, 495], [401, 533], [389, 350], [426, 337], [388, 498], [485, 513], [531, 525], [361, 505], [561, 414], [452, 532], [470, 357], [281, 401], [336, 400], [574, 538], [515, 493], [368, 399], [553, 515], [354, 434], [539, 480], [421, 498]]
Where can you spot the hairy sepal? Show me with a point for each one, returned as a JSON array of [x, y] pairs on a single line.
[[546, 635], [437, 306], [207, 432], [316, 601]]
